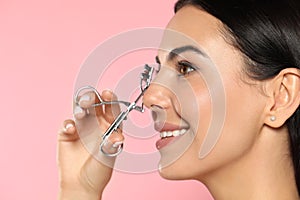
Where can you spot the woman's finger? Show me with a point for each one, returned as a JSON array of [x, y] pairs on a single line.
[[98, 173], [87, 100], [84, 105], [114, 142], [79, 113], [111, 111], [68, 131]]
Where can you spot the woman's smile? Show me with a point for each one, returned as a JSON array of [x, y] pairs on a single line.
[[168, 133]]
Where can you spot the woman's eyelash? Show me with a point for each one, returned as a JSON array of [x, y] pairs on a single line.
[[185, 67]]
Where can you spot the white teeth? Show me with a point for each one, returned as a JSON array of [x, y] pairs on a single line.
[[176, 133], [169, 133], [163, 134], [172, 133]]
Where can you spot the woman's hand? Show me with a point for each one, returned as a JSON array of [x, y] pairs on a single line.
[[82, 176]]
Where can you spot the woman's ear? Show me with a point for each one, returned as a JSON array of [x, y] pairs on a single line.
[[284, 97]]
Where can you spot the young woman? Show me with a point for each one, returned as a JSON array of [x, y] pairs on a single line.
[[255, 46]]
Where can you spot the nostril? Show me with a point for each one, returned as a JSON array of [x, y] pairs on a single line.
[[155, 109], [154, 115]]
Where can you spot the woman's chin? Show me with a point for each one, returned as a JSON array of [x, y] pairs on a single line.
[[171, 173], [168, 176]]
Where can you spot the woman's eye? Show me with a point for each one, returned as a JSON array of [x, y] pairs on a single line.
[[184, 68]]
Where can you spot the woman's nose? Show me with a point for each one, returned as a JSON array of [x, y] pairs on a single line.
[[157, 95]]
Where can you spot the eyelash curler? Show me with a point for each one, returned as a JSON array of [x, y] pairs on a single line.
[[145, 80]]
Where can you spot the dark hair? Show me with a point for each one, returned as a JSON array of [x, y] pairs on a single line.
[[268, 35]]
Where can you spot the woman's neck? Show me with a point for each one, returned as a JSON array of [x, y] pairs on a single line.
[[264, 172]]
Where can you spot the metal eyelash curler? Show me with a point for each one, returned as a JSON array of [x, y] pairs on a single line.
[[145, 80]]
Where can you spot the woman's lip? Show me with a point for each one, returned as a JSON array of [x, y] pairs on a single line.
[[163, 142], [165, 126]]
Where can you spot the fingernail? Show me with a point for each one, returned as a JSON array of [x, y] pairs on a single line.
[[117, 144], [85, 98], [78, 110], [108, 90], [69, 126]]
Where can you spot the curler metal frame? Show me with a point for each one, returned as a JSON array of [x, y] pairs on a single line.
[[145, 80]]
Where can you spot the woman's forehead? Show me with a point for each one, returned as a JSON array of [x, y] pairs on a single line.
[[192, 26]]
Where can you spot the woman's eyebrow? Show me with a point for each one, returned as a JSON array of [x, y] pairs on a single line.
[[175, 52]]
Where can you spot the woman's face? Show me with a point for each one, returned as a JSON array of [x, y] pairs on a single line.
[[184, 106]]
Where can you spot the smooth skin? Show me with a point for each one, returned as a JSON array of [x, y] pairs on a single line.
[[251, 160]]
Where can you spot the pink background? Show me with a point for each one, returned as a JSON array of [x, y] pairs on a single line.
[[42, 45]]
